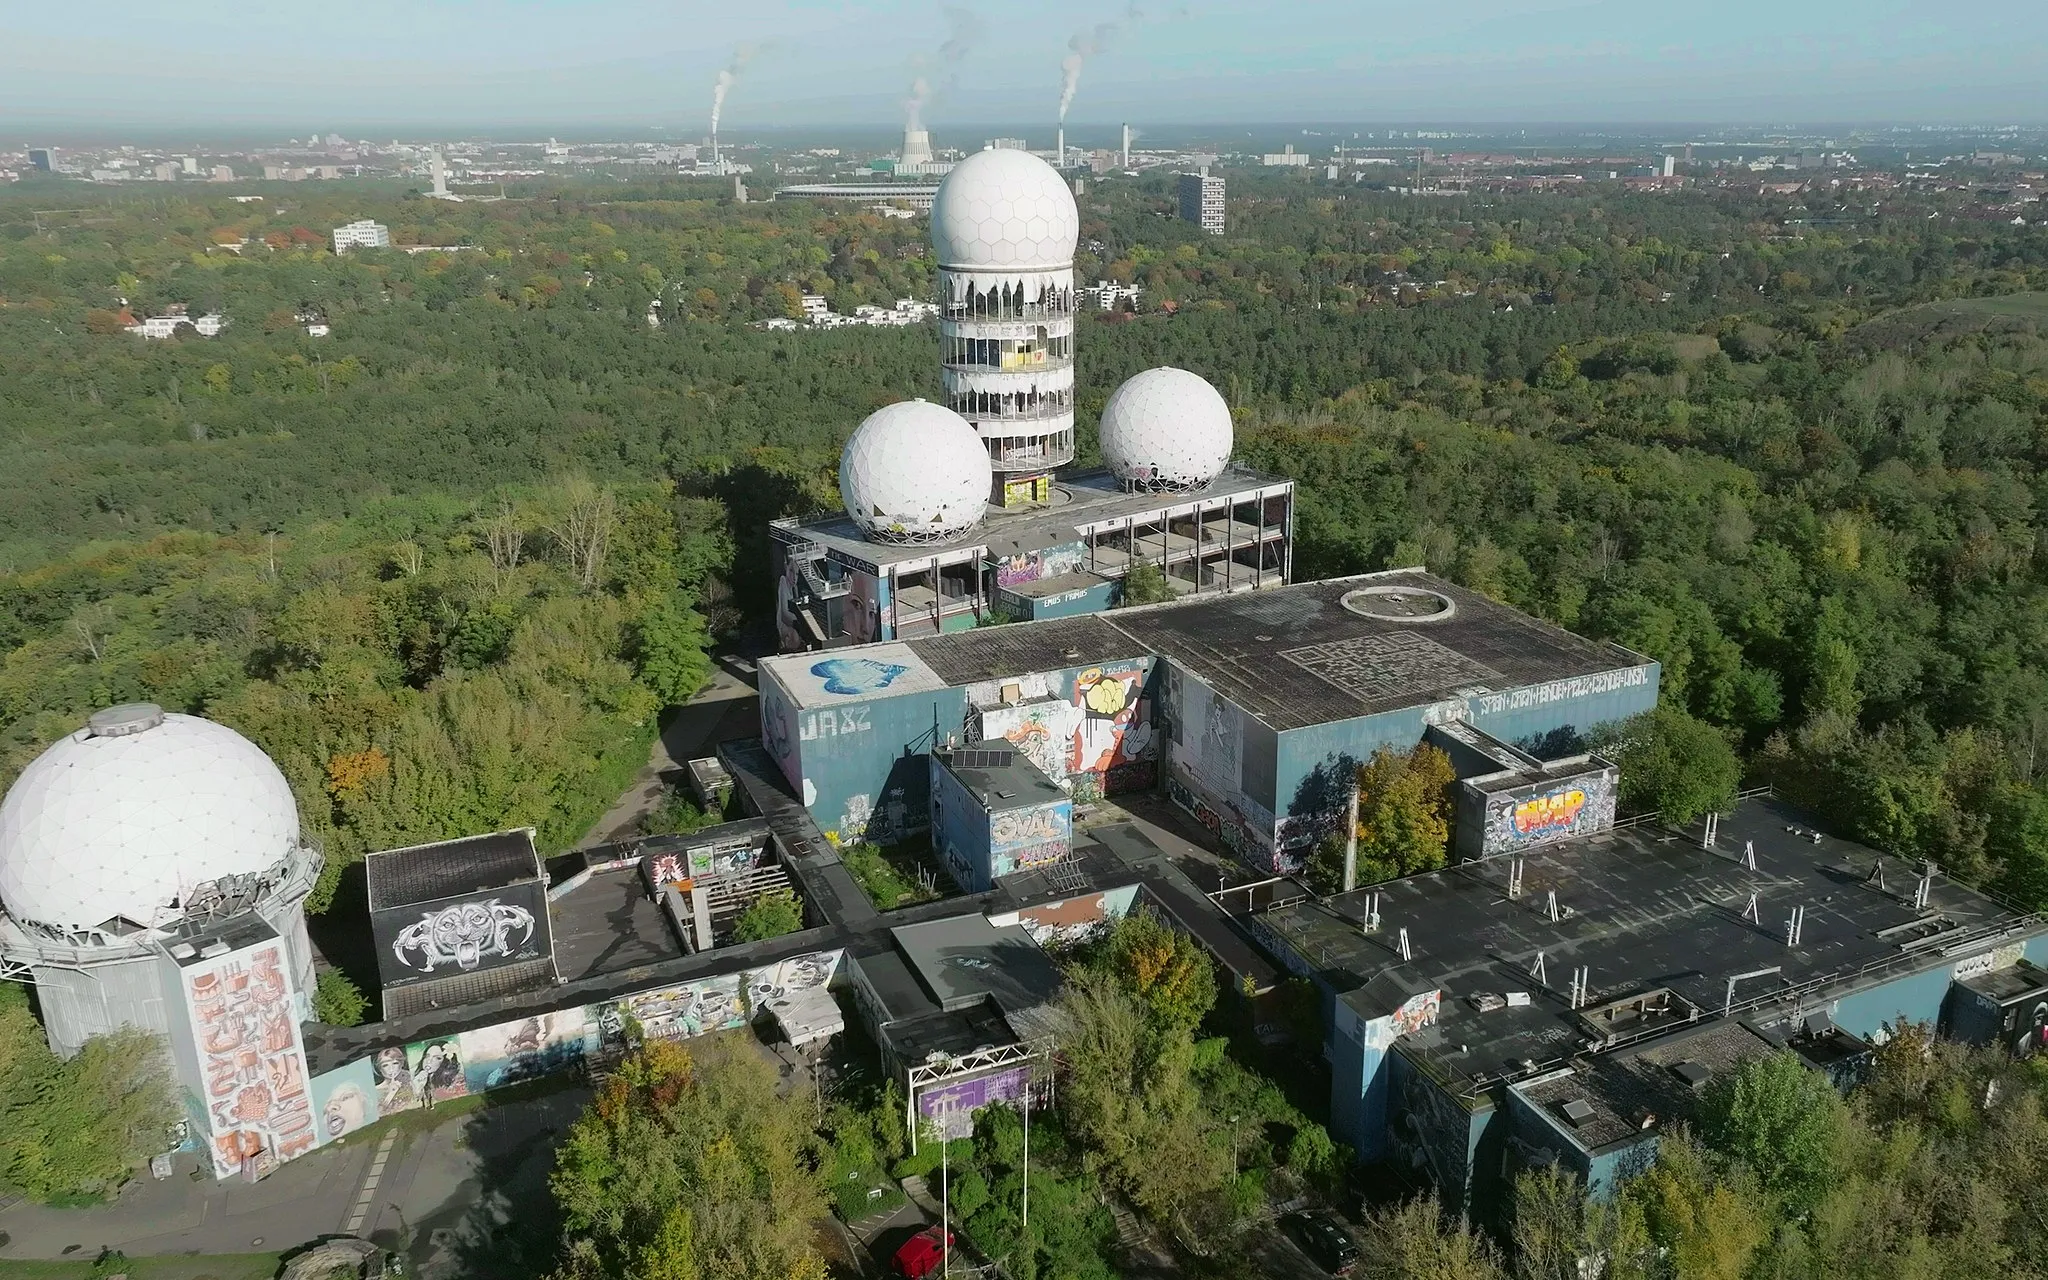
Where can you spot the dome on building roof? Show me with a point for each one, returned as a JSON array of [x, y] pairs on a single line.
[[126, 817], [1166, 429], [914, 472], [1004, 208]]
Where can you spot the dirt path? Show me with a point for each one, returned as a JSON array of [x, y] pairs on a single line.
[[725, 708]]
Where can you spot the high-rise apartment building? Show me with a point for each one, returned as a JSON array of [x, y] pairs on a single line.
[[1201, 201]]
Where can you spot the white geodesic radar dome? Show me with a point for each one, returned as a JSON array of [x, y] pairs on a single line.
[[126, 817], [1003, 208], [914, 472], [1166, 429]]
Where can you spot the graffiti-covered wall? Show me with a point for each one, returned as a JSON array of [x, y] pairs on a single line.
[[1220, 766], [257, 1105], [1074, 920], [440, 1068], [850, 733], [1024, 567], [475, 933], [1089, 729], [1315, 762], [1514, 818]]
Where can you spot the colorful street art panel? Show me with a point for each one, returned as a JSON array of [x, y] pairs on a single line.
[[727, 858], [691, 1009], [1074, 921], [950, 1106], [437, 1069], [345, 1099], [522, 1049], [259, 1106], [1529, 816], [1012, 831], [391, 1070], [1026, 567], [1113, 743], [1042, 731], [1417, 1012]]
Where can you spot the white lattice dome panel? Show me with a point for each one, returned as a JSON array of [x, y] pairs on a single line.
[[1004, 208], [1166, 428], [914, 472], [128, 820]]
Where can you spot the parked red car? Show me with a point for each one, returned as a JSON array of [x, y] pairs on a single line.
[[923, 1254]]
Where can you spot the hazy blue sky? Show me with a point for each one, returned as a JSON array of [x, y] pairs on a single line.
[[292, 66]]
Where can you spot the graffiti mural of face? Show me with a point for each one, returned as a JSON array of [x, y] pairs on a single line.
[[346, 1111]]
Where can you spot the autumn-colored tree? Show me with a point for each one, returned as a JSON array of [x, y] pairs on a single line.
[[1165, 969], [351, 771], [701, 1127], [1707, 1226], [1404, 812]]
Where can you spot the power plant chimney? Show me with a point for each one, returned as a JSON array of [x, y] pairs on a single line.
[[1061, 148], [1127, 146]]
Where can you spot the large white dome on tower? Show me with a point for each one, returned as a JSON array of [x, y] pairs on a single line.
[[1003, 208], [132, 813], [1166, 429], [914, 472]]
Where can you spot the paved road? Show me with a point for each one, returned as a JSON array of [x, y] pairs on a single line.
[[466, 1198]]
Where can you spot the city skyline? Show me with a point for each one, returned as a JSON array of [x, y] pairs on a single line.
[[626, 64]]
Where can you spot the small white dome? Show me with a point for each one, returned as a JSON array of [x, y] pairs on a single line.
[[134, 812], [914, 472], [1003, 208], [1166, 429]]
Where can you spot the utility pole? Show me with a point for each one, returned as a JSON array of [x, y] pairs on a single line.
[[1351, 837], [1026, 1215], [945, 1200]]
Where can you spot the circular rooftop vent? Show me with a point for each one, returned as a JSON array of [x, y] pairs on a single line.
[[128, 718], [1400, 604]]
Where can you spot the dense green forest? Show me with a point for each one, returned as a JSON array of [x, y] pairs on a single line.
[[1798, 466]]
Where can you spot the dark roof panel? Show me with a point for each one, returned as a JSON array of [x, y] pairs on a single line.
[[450, 868]]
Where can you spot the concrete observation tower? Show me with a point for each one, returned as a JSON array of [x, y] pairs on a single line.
[[1004, 228]]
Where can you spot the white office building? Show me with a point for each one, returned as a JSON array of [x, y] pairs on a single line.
[[362, 234]]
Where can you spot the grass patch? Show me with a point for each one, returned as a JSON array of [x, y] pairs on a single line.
[[225, 1266], [890, 876], [1912, 325]]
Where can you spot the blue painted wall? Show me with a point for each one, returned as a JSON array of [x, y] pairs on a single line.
[[859, 764], [959, 830], [1916, 997], [1433, 1133]]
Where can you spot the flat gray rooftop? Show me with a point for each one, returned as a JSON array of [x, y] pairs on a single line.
[[609, 923], [1632, 1091], [1643, 910], [1002, 777], [1293, 655], [1082, 498], [964, 959], [1299, 655]]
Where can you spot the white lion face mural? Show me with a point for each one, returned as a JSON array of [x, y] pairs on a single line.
[[464, 935]]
